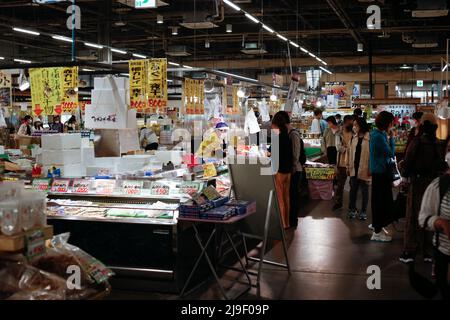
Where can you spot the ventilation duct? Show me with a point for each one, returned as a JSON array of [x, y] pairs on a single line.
[[430, 9]]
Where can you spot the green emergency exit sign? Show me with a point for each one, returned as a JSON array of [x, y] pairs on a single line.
[[419, 83], [143, 4]]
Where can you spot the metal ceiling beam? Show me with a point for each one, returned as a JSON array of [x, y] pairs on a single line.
[[345, 20]]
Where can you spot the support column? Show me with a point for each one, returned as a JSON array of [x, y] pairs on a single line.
[[392, 93], [104, 31]]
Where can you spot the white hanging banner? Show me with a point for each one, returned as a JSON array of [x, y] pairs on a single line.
[[291, 95]]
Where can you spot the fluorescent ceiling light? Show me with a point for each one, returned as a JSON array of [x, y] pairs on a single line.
[[445, 67], [139, 56], [235, 75], [304, 50], [168, 80], [294, 44], [312, 55], [327, 71], [21, 60], [2, 58], [189, 67], [125, 74], [87, 70], [231, 4], [249, 16], [281, 37], [93, 45], [34, 33], [268, 28], [61, 38], [174, 64], [405, 67], [118, 51]]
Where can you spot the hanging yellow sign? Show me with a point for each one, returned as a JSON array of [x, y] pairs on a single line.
[[54, 90], [148, 85], [194, 96], [138, 95], [157, 85]]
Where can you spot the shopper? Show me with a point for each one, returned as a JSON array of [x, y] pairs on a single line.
[[382, 151], [298, 161], [357, 112], [285, 163], [345, 137], [416, 128], [57, 125], [358, 168], [25, 128], [338, 119], [423, 163], [318, 125], [37, 125], [71, 124], [148, 139], [330, 140], [435, 216]]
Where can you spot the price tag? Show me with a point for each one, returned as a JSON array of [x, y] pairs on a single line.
[[35, 244], [41, 184], [81, 186], [132, 188], [186, 188], [209, 170], [160, 189], [60, 186], [105, 186]]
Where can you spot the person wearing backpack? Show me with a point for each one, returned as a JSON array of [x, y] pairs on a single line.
[[434, 216], [423, 163], [298, 161]]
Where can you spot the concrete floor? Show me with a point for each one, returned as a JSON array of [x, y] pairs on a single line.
[[329, 256]]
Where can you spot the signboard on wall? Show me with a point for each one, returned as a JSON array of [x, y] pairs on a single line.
[[339, 91], [419, 83], [5, 89], [145, 4]]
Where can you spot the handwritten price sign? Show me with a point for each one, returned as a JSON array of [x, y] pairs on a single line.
[[132, 187], [81, 186], [320, 173], [60, 186], [41, 184]]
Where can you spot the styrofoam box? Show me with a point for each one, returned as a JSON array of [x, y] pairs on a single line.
[[87, 156], [35, 152], [61, 157], [85, 143], [104, 83], [107, 97], [61, 141], [69, 170], [125, 119]]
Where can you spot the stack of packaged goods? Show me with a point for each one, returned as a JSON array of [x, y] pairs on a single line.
[[63, 152], [242, 207]]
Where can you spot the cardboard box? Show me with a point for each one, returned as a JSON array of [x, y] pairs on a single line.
[[61, 157], [68, 171], [104, 83], [61, 141]]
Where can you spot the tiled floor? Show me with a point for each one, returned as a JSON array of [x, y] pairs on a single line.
[[329, 256]]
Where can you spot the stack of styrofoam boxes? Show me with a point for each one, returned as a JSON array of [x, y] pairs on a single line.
[[63, 151], [111, 96]]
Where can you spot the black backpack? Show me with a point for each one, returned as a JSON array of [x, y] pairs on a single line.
[[302, 158]]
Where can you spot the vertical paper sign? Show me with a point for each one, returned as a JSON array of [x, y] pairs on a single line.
[[5, 89], [292, 93], [157, 85], [138, 95], [53, 90], [69, 81]]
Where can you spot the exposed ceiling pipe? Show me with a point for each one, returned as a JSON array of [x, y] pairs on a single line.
[[346, 21]]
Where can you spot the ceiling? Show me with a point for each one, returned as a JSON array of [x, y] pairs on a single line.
[[328, 28]]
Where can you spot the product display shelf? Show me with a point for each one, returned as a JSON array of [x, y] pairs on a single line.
[[17, 242]]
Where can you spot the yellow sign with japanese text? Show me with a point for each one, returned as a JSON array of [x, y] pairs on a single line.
[[194, 96], [148, 85], [54, 90]]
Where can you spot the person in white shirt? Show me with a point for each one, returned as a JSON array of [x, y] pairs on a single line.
[[148, 139]]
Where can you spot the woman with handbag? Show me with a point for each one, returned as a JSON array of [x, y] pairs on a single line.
[[358, 168], [382, 152]]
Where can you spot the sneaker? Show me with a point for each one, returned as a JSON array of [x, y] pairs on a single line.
[[337, 206], [362, 216], [406, 257], [351, 214], [427, 258], [381, 237]]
